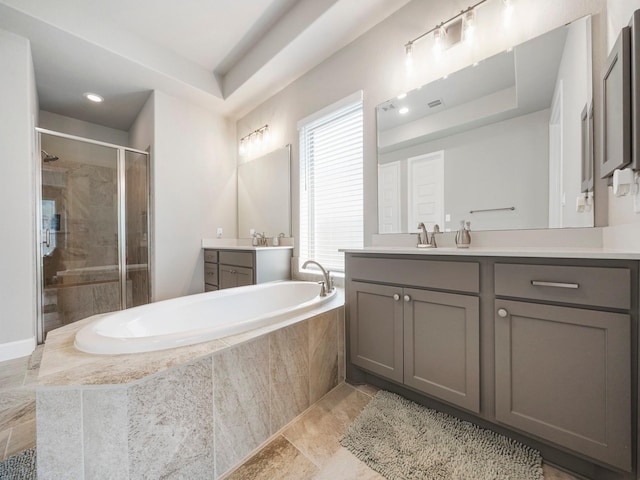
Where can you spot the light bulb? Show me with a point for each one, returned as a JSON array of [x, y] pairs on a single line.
[[469, 27], [408, 49], [438, 35], [266, 136], [507, 14], [242, 147]]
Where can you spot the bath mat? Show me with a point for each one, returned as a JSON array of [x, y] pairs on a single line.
[[403, 440], [21, 466]]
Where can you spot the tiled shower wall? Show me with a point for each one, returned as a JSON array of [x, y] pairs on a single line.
[[193, 421]]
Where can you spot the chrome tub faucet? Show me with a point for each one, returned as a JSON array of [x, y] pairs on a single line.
[[327, 284]]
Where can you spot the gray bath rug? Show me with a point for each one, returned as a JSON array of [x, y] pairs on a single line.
[[21, 466], [403, 440]]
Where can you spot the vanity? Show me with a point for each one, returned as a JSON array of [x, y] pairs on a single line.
[[235, 266], [539, 345]]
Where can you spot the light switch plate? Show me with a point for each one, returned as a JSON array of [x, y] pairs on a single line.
[[219, 232]]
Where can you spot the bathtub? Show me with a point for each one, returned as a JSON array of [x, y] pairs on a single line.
[[198, 318]]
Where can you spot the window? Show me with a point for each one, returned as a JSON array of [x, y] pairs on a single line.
[[331, 203]]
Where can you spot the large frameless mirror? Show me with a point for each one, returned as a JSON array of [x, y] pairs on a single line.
[[499, 143]]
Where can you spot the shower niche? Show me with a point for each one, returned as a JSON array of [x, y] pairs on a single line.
[[94, 204]]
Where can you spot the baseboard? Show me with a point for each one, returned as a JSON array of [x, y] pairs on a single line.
[[20, 348]]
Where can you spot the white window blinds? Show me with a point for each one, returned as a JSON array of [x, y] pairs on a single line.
[[331, 203]]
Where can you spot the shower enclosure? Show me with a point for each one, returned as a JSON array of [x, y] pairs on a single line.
[[94, 228]]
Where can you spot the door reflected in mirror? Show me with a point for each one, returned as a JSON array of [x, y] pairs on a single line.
[[500, 143]]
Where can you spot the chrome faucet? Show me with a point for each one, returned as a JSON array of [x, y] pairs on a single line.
[[327, 285], [425, 242], [261, 240]]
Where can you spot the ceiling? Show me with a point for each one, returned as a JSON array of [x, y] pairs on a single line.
[[225, 55]]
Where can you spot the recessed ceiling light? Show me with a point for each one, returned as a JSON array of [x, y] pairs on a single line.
[[94, 97], [403, 110]]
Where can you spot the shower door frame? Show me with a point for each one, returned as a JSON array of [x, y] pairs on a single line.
[[122, 224]]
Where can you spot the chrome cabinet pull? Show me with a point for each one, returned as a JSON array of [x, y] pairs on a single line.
[[502, 313], [396, 296], [47, 237], [538, 283], [407, 298]]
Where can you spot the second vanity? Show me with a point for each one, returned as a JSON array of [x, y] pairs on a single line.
[[539, 345]]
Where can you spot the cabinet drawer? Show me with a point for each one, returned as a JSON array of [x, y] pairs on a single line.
[[597, 286], [446, 275], [210, 288], [211, 274], [242, 259], [211, 256]]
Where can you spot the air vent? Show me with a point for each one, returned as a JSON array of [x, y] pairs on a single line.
[[435, 103]]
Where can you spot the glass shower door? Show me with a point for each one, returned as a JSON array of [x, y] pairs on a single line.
[[137, 221], [94, 229]]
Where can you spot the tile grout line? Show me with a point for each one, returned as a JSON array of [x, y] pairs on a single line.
[[6, 447]]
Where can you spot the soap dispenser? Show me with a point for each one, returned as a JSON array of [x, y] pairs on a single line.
[[463, 235]]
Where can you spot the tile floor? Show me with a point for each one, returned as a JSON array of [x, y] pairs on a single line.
[[308, 448]]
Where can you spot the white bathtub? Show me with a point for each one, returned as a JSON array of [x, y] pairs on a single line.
[[198, 318]]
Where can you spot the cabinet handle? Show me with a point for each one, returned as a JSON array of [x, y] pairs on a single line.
[[502, 313], [538, 283], [407, 298], [396, 296]]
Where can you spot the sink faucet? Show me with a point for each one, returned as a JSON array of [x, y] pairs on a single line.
[[426, 242], [327, 285]]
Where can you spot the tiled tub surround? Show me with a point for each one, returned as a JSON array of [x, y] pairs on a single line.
[[190, 412]]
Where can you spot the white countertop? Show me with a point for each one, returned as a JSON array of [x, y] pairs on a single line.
[[238, 244], [535, 252]]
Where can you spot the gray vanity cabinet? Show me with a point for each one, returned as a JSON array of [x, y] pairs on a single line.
[[376, 327], [442, 346], [227, 268], [563, 373], [427, 340]]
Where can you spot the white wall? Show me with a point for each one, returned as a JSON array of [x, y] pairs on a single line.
[[72, 126], [194, 191], [18, 116], [375, 63]]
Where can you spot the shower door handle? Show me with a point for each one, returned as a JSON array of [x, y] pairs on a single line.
[[47, 237]]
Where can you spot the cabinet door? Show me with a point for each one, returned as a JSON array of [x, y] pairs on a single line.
[[442, 346], [231, 276], [375, 327], [244, 276], [563, 374]]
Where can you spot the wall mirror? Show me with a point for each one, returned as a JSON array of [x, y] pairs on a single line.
[[264, 194], [500, 143]]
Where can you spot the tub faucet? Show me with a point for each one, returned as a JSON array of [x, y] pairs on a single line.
[[328, 283]]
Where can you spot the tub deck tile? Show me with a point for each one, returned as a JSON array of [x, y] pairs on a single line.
[[171, 422], [289, 356], [323, 355], [241, 402]]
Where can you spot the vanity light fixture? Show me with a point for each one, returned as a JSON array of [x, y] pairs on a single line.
[[460, 27], [93, 97], [255, 140]]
